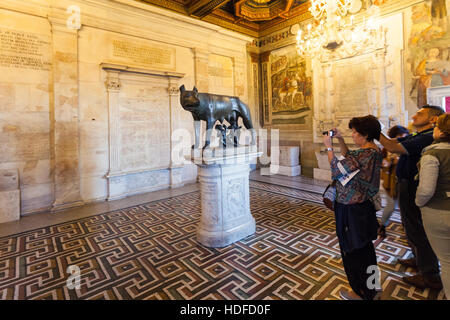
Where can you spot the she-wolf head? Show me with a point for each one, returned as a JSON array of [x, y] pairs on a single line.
[[189, 99]]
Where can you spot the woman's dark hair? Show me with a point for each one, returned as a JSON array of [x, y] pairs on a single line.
[[367, 126], [397, 130], [443, 123]]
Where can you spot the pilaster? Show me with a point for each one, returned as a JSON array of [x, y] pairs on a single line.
[[65, 110]]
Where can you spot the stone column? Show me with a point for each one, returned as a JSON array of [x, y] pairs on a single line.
[[201, 60], [115, 185], [64, 116], [113, 86], [255, 80], [176, 170], [267, 113]]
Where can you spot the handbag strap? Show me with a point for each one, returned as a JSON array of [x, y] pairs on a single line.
[[373, 170]]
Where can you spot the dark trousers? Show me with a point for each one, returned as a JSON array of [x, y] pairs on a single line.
[[426, 260], [356, 263]]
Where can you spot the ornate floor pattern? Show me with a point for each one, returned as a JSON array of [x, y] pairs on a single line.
[[150, 252]]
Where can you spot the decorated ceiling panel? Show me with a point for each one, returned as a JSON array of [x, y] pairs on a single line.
[[249, 17]]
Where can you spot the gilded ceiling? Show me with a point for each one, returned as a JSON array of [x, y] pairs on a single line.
[[251, 17]]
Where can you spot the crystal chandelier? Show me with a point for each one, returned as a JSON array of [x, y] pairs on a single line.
[[333, 29]]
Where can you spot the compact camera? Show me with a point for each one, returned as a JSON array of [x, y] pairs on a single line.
[[328, 133]]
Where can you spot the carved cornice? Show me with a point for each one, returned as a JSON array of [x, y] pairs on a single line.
[[116, 68]]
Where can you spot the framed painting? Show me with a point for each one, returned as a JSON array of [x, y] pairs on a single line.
[[290, 89]]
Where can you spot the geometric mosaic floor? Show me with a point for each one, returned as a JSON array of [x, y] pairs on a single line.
[[150, 252]]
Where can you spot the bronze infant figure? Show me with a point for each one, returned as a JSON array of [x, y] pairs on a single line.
[[211, 108]]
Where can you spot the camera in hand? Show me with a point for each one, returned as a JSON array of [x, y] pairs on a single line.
[[328, 133]]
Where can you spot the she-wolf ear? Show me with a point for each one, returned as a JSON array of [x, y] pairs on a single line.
[[182, 88], [195, 90]]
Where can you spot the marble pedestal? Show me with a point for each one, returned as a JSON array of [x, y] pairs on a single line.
[[9, 196], [225, 199]]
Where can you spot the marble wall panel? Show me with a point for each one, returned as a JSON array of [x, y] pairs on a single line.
[[24, 146], [7, 97], [93, 188], [89, 72], [31, 172], [144, 129], [93, 102], [35, 198]]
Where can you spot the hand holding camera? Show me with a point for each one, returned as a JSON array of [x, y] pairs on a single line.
[[334, 133]]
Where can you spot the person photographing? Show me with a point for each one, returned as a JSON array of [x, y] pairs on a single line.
[[410, 148], [355, 214]]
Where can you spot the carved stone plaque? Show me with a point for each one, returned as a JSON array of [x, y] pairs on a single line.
[[24, 50], [143, 54]]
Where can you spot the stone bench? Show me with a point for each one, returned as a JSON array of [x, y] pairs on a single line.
[[9, 196]]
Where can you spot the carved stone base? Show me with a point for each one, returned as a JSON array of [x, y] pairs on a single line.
[[225, 199]]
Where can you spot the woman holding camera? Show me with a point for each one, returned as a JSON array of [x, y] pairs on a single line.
[[356, 221]]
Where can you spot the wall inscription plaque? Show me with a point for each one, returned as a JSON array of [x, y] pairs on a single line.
[[24, 50], [139, 54]]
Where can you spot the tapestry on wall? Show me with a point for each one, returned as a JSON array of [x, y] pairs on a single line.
[[291, 88], [428, 59]]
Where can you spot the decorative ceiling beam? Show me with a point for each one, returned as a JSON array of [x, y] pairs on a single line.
[[202, 8], [265, 11], [171, 5]]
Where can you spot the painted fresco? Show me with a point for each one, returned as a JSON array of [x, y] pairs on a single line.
[[291, 87], [428, 58]]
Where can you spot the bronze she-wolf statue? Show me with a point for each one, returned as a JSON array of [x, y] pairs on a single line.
[[211, 108]]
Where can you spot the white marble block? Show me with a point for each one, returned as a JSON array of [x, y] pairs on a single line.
[[287, 163], [225, 199], [288, 157], [9, 196]]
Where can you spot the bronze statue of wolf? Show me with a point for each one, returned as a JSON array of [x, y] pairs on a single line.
[[211, 108]]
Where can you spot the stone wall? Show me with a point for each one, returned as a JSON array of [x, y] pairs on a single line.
[[89, 102]]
